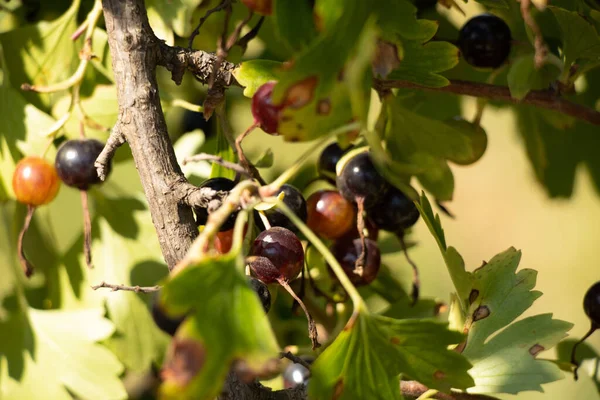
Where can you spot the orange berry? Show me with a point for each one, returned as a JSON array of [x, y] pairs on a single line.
[[35, 181]]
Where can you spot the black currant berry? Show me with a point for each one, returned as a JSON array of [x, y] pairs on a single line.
[[328, 160], [394, 212], [282, 249], [359, 178], [75, 162], [295, 201], [330, 215], [166, 324], [424, 4], [297, 374], [347, 252], [218, 185], [591, 304], [264, 111], [262, 291], [35, 181], [485, 41]]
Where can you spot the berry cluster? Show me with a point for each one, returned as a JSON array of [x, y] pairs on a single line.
[[36, 182]]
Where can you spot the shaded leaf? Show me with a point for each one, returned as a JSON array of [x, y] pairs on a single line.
[[580, 39], [226, 323], [367, 358]]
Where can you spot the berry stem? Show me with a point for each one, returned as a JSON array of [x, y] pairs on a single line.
[[575, 362], [288, 174], [416, 283], [356, 298], [360, 227], [116, 287], [247, 165], [312, 328], [87, 229], [27, 266]]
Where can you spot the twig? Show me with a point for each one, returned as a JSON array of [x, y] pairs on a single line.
[[27, 266], [87, 229], [547, 99], [416, 283], [573, 360], [137, 289], [295, 359], [312, 328], [359, 265], [541, 50], [244, 40], [115, 140], [242, 157], [219, 7], [217, 160], [414, 389]]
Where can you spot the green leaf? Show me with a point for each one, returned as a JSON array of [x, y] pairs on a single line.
[[409, 133], [58, 348], [126, 241], [399, 17], [188, 145], [176, 14], [580, 39], [506, 362], [367, 358], [294, 23], [8, 243], [265, 159], [454, 261], [224, 151], [43, 54], [524, 76], [437, 178], [226, 323], [421, 63], [254, 73]]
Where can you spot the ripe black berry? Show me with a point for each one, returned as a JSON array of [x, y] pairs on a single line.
[[262, 291], [218, 185], [485, 41], [591, 304], [394, 212], [328, 160], [166, 323], [347, 252], [282, 249], [264, 111], [295, 201], [296, 374], [359, 178], [75, 162]]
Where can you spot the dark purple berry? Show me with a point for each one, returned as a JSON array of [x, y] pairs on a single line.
[[218, 185], [359, 178], [347, 252], [297, 374], [485, 41], [295, 201], [394, 212], [166, 323], [75, 162], [262, 291], [283, 249], [591, 303], [328, 160]]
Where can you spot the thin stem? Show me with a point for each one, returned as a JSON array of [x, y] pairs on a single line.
[[264, 220], [137, 289], [242, 157], [87, 229], [217, 160], [27, 266], [295, 359], [288, 174], [186, 105], [221, 6], [359, 265], [335, 266], [547, 99], [575, 362], [312, 328], [416, 283]]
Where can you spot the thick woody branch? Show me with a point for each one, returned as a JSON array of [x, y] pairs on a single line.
[[547, 99]]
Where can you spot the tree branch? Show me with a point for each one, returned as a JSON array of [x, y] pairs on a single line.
[[116, 287], [547, 99]]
